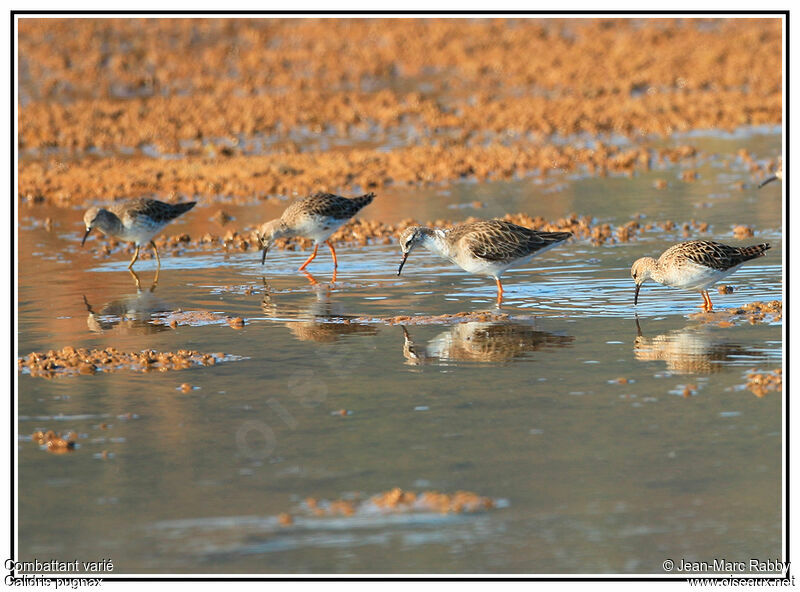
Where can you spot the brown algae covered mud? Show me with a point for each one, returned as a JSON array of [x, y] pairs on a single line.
[[257, 117]]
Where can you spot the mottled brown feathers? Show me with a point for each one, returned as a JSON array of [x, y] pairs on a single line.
[[713, 254], [158, 211], [498, 240], [328, 205]]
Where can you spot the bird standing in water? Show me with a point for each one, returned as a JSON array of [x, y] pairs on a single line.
[[693, 265], [317, 217], [136, 221], [778, 176], [486, 247]]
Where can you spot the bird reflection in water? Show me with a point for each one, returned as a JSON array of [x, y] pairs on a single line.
[[325, 321], [131, 313], [691, 350], [478, 341]]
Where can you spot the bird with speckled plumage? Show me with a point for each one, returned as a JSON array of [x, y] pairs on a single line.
[[136, 221], [777, 176], [317, 217], [486, 247], [694, 265]]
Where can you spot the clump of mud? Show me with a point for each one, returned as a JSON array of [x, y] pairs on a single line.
[[753, 313], [761, 383], [197, 318], [71, 361], [397, 501], [443, 319], [55, 443], [240, 180]]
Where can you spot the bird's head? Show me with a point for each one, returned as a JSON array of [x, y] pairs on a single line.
[[641, 270], [96, 218], [410, 238], [268, 233]]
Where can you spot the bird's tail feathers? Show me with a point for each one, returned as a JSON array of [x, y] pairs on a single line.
[[363, 200], [754, 251], [182, 208]]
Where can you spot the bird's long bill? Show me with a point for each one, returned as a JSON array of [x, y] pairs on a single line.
[[403, 262], [636, 294], [88, 230], [769, 180]]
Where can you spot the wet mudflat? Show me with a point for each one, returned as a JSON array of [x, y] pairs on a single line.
[[607, 445]]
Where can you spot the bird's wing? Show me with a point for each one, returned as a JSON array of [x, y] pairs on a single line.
[[716, 255], [332, 206], [498, 240]]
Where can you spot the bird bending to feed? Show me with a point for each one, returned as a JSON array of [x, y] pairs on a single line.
[[317, 217], [136, 221], [778, 176], [693, 265], [487, 247]]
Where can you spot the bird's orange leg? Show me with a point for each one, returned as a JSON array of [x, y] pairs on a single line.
[[707, 305], [499, 291], [310, 259], [333, 253]]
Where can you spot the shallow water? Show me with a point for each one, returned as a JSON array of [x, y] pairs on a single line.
[[590, 475]]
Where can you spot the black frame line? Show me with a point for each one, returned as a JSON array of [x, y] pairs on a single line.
[[14, 202]]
